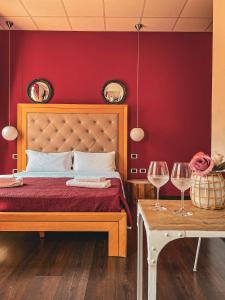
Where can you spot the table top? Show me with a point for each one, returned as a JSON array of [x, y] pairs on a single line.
[[202, 219]]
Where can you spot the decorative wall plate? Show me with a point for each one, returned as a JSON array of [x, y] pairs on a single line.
[[114, 91], [40, 91]]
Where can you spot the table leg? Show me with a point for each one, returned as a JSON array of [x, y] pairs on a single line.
[[152, 267], [196, 255], [152, 275], [156, 241], [140, 258]]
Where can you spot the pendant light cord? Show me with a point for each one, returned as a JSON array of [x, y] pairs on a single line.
[[138, 58], [9, 76], [138, 27]]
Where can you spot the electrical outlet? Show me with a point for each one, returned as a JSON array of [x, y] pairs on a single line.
[[133, 156], [14, 171], [142, 170], [14, 156], [133, 170]]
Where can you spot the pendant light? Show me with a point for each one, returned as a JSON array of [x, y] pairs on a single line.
[[137, 134], [9, 132]]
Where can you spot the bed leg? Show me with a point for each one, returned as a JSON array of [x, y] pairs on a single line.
[[123, 236], [113, 240], [41, 234]]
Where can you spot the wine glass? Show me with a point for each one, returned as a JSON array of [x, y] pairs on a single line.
[[158, 175], [181, 179]]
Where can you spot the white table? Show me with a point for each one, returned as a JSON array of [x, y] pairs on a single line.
[[163, 227]]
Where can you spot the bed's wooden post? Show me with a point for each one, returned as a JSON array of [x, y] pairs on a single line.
[[123, 236], [113, 240], [117, 237]]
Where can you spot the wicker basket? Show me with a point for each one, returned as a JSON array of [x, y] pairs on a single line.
[[208, 191]]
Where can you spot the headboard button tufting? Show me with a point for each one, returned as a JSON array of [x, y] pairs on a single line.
[[70, 127], [55, 132]]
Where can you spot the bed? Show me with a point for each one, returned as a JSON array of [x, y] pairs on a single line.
[[67, 127]]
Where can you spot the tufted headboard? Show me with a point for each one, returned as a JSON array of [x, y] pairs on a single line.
[[68, 127]]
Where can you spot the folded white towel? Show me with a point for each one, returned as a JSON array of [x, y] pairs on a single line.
[[10, 182], [95, 185], [90, 179]]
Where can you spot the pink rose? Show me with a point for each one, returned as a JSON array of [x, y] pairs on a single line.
[[202, 164]]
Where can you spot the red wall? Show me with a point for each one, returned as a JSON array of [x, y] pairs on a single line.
[[175, 84]]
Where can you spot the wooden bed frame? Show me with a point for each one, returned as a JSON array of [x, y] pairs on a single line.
[[114, 223]]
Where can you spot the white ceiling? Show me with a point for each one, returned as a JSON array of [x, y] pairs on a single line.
[[108, 15]]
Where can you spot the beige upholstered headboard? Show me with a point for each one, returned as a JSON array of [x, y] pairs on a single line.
[[68, 127]]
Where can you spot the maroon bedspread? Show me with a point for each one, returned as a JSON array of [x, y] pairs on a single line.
[[52, 194]]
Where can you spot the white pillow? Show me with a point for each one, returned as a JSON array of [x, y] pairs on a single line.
[[94, 162], [46, 162]]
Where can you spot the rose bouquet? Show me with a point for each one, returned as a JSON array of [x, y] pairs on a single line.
[[202, 164], [208, 185]]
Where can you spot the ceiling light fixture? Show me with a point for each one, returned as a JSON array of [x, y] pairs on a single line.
[[137, 134], [9, 132]]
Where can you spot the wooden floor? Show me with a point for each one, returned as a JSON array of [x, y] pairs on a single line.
[[75, 266]]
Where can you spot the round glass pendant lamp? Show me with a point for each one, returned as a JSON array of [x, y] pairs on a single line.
[[9, 132], [137, 134]]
